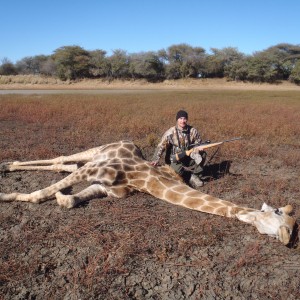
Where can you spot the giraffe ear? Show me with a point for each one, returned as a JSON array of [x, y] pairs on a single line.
[[266, 207], [287, 209]]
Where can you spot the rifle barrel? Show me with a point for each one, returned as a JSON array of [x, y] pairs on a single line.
[[234, 139]]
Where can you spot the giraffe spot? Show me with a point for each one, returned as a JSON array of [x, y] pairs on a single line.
[[194, 193], [114, 160], [137, 175], [207, 209], [211, 199], [169, 183], [107, 175], [120, 178], [92, 172], [215, 204], [137, 183], [181, 188], [112, 154], [222, 211], [142, 168], [116, 166], [193, 203], [130, 146], [110, 172], [130, 162], [155, 188], [127, 168], [123, 152], [173, 197]]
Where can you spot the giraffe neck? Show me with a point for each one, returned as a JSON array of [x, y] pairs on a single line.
[[199, 201], [174, 191]]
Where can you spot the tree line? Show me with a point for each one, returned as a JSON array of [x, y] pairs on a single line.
[[279, 62]]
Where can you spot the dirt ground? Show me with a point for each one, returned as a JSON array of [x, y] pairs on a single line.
[[143, 248]]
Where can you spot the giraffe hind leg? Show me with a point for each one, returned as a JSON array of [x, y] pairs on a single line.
[[69, 201], [81, 157], [55, 167], [58, 164]]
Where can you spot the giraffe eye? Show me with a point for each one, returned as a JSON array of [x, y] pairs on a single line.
[[278, 212]]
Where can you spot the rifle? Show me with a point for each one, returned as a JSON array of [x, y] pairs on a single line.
[[201, 147]]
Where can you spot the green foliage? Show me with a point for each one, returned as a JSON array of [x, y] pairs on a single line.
[[7, 68], [99, 65], [119, 64], [72, 62], [184, 61], [219, 60], [279, 62], [273, 64], [295, 74], [146, 65]]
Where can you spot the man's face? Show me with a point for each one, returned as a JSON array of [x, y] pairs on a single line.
[[181, 122]]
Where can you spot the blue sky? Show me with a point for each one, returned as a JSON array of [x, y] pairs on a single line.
[[35, 27]]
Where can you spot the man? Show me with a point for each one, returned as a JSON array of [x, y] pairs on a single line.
[[175, 142]]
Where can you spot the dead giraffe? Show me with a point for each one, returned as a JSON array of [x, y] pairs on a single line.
[[119, 168]]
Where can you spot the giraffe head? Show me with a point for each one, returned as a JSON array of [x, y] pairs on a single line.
[[273, 222]]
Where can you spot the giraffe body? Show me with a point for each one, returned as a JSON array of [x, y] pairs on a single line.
[[118, 169]]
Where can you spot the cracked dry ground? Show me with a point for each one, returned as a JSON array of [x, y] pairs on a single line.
[[143, 248]]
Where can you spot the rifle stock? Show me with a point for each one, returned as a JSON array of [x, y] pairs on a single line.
[[202, 147]]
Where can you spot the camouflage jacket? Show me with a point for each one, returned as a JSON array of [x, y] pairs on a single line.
[[176, 140]]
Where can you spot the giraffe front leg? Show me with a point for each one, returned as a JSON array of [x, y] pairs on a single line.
[[35, 197], [43, 194], [91, 192]]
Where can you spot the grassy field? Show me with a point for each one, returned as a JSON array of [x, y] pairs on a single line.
[[265, 120]]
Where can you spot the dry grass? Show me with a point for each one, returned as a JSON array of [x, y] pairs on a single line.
[[265, 119]]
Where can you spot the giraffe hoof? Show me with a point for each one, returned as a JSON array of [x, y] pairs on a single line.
[[4, 167], [66, 201]]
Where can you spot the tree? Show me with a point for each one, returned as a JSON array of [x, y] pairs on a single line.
[[261, 68], [146, 65], [295, 74], [184, 61], [48, 67], [119, 64], [7, 67], [72, 62], [99, 64], [238, 69], [220, 60], [31, 64]]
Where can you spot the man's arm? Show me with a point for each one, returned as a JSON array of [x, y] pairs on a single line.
[[160, 149]]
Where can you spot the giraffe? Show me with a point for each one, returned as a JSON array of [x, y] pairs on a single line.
[[117, 169]]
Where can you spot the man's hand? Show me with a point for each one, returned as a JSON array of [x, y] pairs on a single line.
[[154, 163]]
